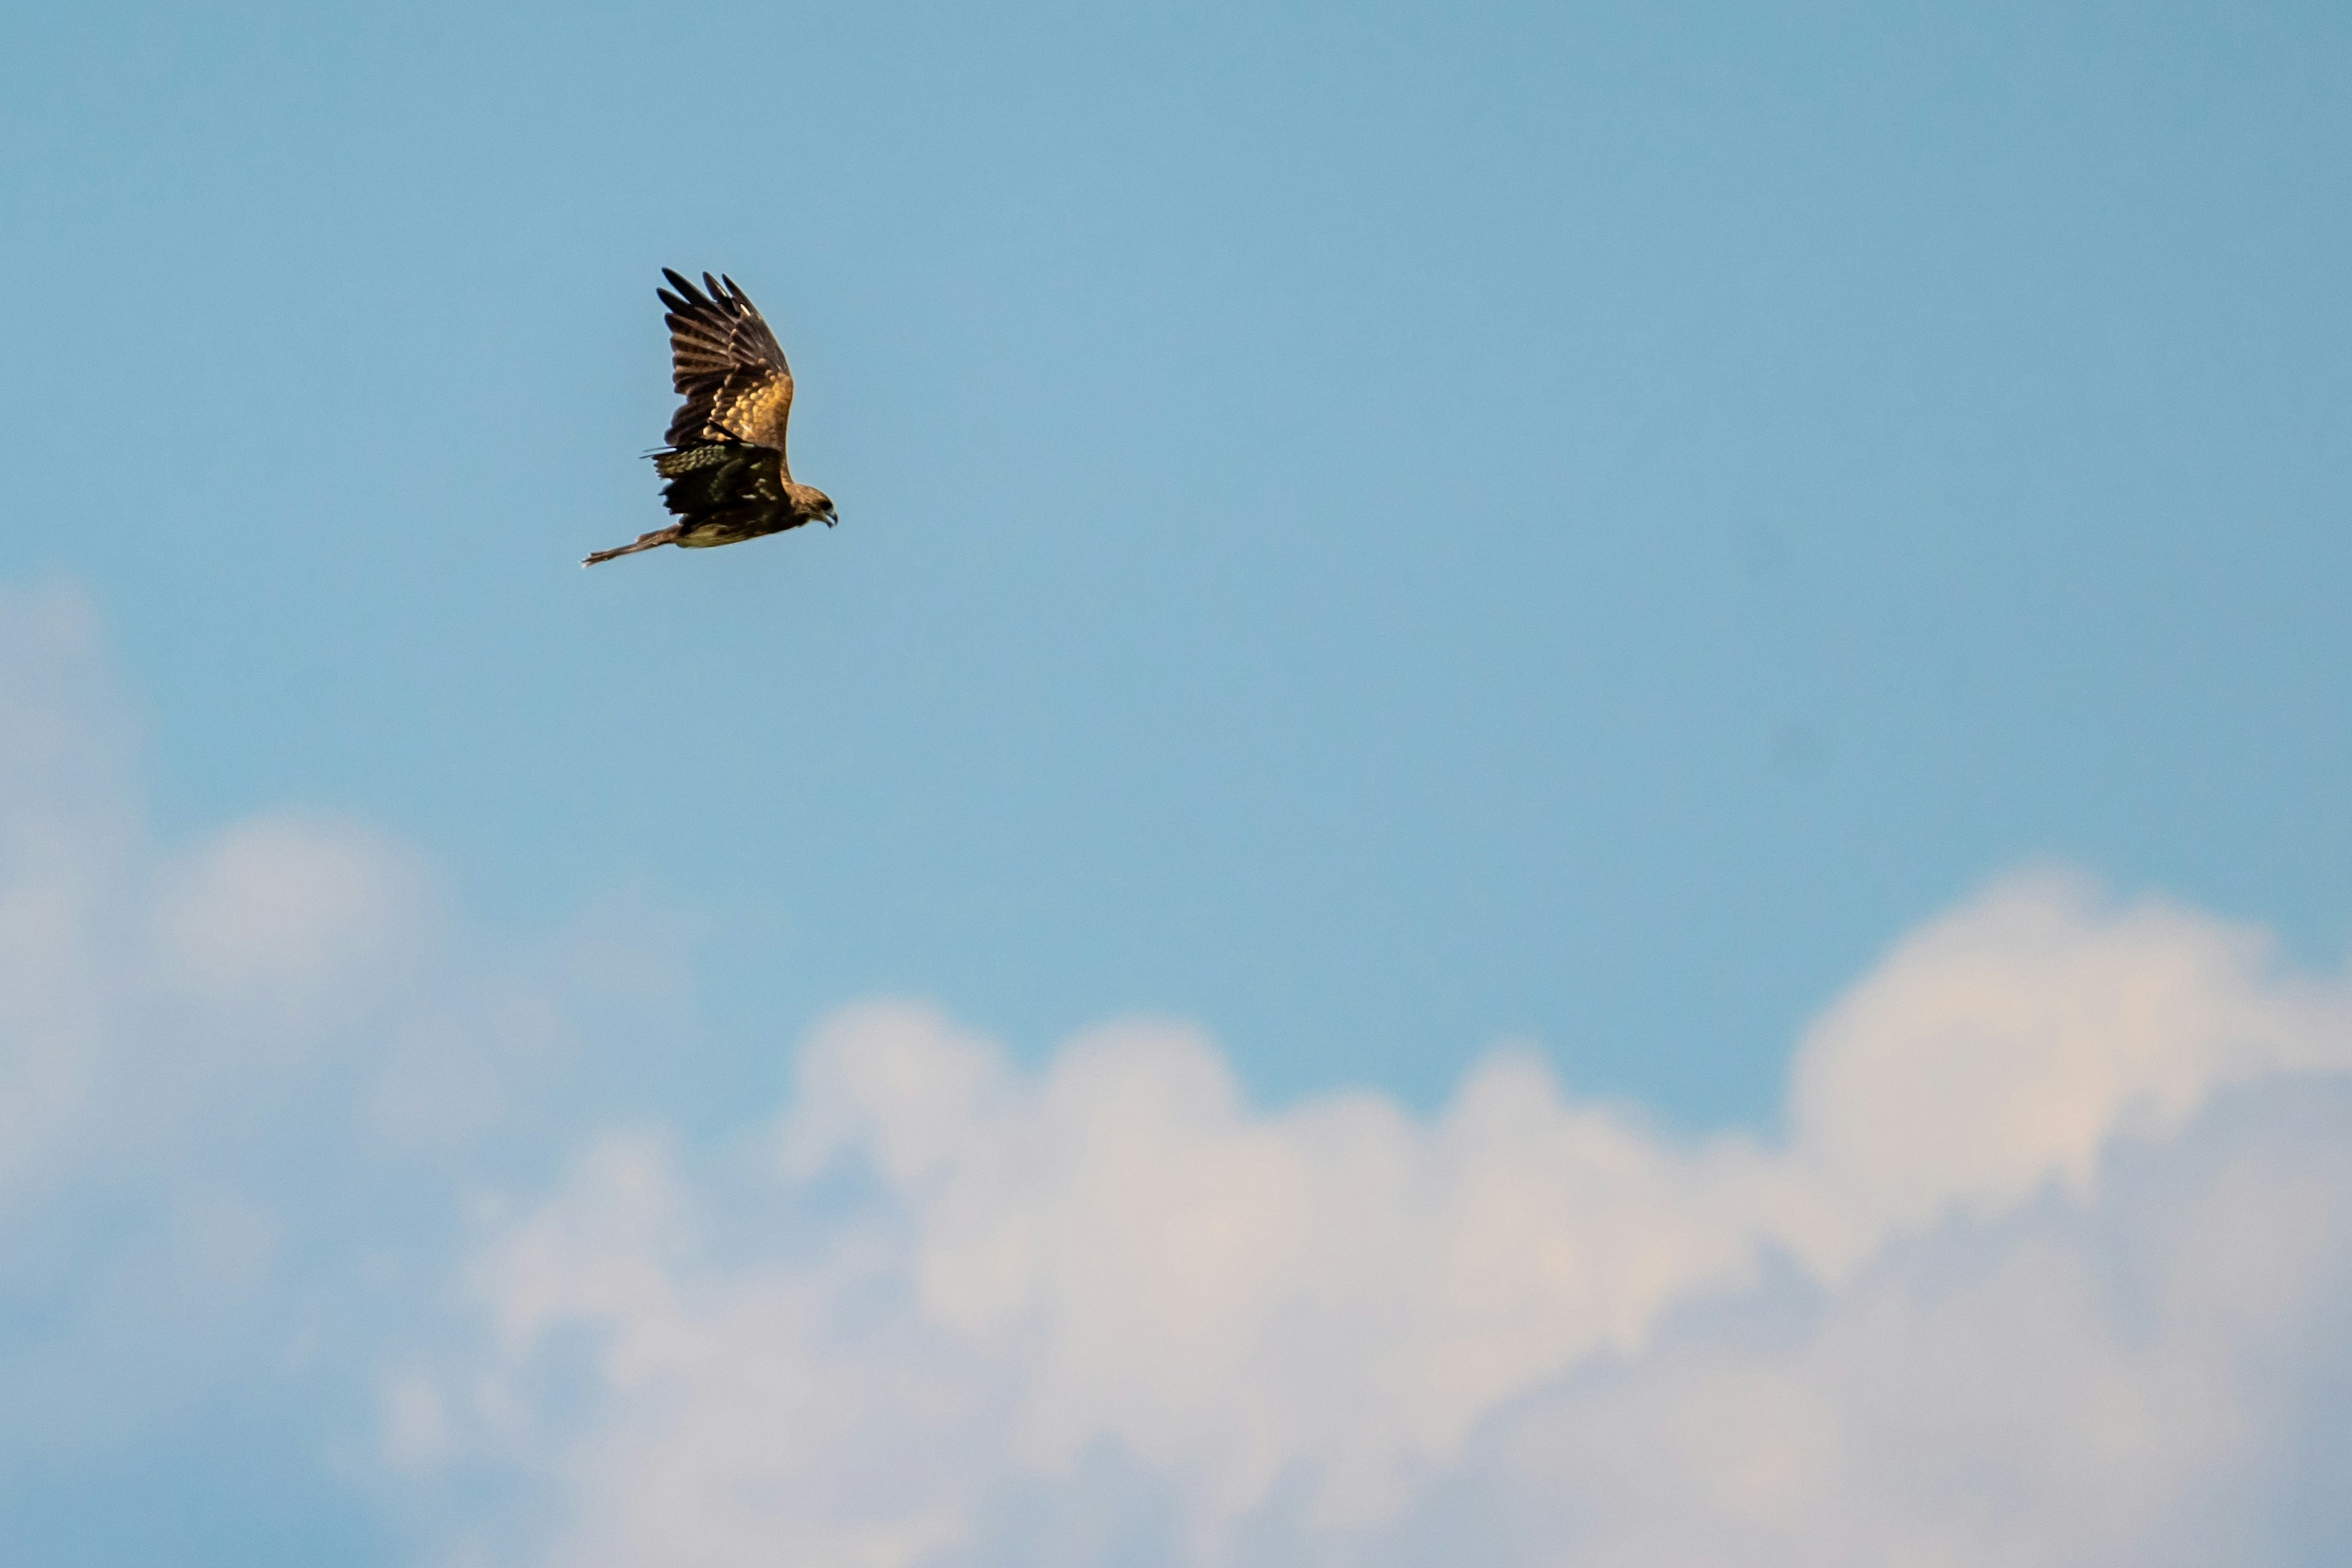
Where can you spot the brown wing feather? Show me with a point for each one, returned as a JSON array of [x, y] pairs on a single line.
[[728, 366]]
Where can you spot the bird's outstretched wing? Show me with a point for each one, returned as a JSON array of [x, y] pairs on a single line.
[[728, 366]]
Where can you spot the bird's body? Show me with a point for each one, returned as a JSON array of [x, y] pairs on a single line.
[[727, 478]]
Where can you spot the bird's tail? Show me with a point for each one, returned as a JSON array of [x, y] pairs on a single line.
[[659, 536]]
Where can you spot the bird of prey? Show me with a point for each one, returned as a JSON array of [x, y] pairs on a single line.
[[728, 480]]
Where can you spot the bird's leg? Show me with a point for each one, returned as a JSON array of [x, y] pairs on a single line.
[[659, 536]]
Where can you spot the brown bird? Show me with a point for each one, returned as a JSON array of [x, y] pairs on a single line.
[[725, 460]]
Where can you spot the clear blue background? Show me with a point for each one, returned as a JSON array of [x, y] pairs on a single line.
[[1367, 527]]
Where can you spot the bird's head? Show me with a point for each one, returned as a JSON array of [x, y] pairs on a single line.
[[822, 504]]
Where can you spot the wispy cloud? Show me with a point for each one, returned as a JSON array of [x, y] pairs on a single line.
[[192, 1038]]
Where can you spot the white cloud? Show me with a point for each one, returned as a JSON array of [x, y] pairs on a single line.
[[1313, 1334], [298, 925], [2050, 1264], [2010, 1042], [183, 1030], [137, 986], [2122, 1382], [62, 847]]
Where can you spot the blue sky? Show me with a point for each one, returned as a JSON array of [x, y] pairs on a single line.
[[1371, 530], [1369, 527]]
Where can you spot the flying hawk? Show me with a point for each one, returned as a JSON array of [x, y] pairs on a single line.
[[725, 460]]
